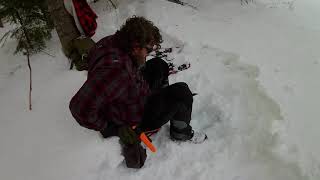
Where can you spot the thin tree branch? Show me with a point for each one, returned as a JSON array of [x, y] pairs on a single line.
[[30, 80], [183, 4], [246, 1], [48, 53], [1, 24], [114, 6], [5, 37]]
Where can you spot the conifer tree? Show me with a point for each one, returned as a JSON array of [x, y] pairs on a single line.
[[32, 27]]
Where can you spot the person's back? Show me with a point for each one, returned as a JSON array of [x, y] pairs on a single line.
[[113, 91]]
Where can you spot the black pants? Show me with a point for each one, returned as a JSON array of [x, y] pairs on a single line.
[[167, 102]]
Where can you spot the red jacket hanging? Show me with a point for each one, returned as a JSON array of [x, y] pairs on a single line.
[[87, 17]]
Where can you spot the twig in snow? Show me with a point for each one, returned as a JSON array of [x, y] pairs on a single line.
[[246, 1], [48, 53], [183, 4], [114, 6], [4, 38]]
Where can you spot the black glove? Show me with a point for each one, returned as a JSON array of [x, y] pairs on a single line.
[[135, 155]]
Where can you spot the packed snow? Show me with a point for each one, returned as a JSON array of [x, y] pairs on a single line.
[[254, 67]]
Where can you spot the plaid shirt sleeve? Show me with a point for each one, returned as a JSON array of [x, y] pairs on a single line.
[[104, 86]]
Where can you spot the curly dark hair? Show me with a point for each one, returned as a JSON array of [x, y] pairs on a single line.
[[138, 30]]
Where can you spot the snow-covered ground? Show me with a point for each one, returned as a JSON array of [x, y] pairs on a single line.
[[253, 66]]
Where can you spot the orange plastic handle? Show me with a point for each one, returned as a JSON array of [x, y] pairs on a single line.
[[146, 141]]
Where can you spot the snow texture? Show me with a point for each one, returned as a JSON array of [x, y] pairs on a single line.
[[253, 66]]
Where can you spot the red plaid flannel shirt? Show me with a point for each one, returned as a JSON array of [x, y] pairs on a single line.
[[87, 17], [114, 90]]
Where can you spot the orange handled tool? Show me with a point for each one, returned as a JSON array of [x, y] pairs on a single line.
[[147, 142]]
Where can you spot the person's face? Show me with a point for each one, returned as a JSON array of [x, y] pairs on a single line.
[[140, 53]]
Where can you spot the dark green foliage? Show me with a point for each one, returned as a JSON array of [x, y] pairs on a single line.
[[33, 23]]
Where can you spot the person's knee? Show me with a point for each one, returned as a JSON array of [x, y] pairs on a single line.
[[156, 72], [181, 88], [157, 61], [157, 67], [181, 92]]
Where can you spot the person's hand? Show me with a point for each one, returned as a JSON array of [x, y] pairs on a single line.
[[134, 155], [128, 136]]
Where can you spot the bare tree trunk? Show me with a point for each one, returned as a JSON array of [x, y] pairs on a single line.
[[64, 24], [1, 24]]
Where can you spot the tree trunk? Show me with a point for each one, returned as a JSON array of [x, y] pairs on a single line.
[[1, 24], [64, 24]]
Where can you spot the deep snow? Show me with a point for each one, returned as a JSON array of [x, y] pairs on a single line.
[[254, 68]]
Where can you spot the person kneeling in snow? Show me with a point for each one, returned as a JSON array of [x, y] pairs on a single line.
[[123, 90]]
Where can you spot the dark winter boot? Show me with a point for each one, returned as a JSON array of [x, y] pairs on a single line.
[[181, 131]]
